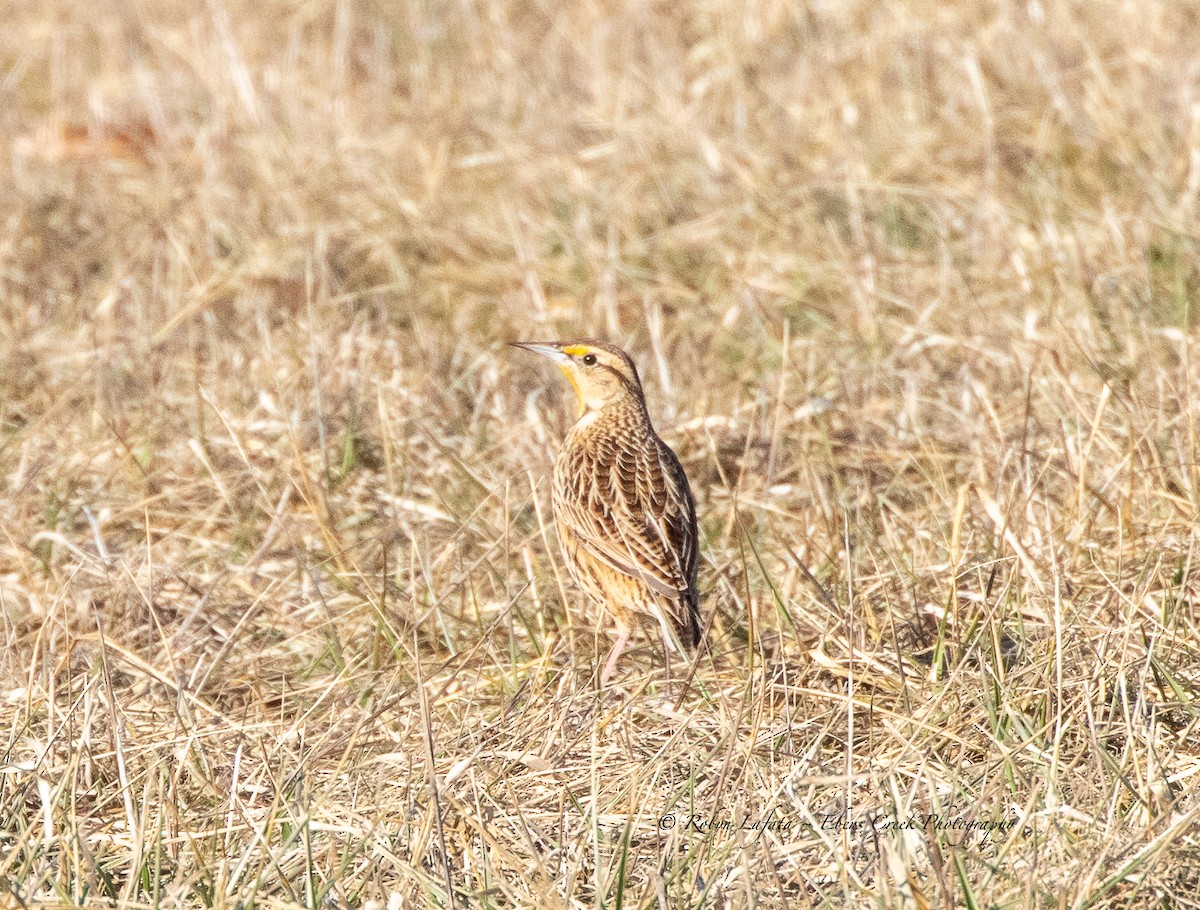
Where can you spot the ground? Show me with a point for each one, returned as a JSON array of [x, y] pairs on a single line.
[[912, 287]]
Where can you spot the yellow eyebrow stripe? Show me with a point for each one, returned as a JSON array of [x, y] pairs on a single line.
[[576, 350]]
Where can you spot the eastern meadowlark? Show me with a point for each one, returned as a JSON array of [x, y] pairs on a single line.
[[623, 509]]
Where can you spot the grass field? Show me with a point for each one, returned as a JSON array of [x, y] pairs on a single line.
[[913, 290]]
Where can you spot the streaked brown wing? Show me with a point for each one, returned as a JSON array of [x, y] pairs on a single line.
[[683, 532], [631, 508]]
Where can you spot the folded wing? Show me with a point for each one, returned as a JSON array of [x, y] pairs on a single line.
[[634, 512]]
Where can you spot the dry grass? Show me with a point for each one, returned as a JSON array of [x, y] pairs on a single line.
[[913, 290]]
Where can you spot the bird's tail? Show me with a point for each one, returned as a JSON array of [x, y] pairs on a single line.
[[689, 628]]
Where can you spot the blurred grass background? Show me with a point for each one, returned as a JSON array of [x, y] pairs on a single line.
[[911, 286]]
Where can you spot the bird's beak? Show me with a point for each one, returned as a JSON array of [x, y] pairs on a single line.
[[551, 351]]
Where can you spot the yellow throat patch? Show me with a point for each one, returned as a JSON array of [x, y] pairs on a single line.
[[574, 384]]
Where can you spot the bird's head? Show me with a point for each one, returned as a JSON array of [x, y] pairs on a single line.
[[600, 373]]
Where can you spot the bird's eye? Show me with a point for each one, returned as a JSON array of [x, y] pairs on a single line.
[[589, 360]]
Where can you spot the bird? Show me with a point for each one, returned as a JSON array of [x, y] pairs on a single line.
[[623, 509]]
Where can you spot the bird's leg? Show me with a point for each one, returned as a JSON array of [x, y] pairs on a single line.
[[671, 646], [623, 632], [667, 649]]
